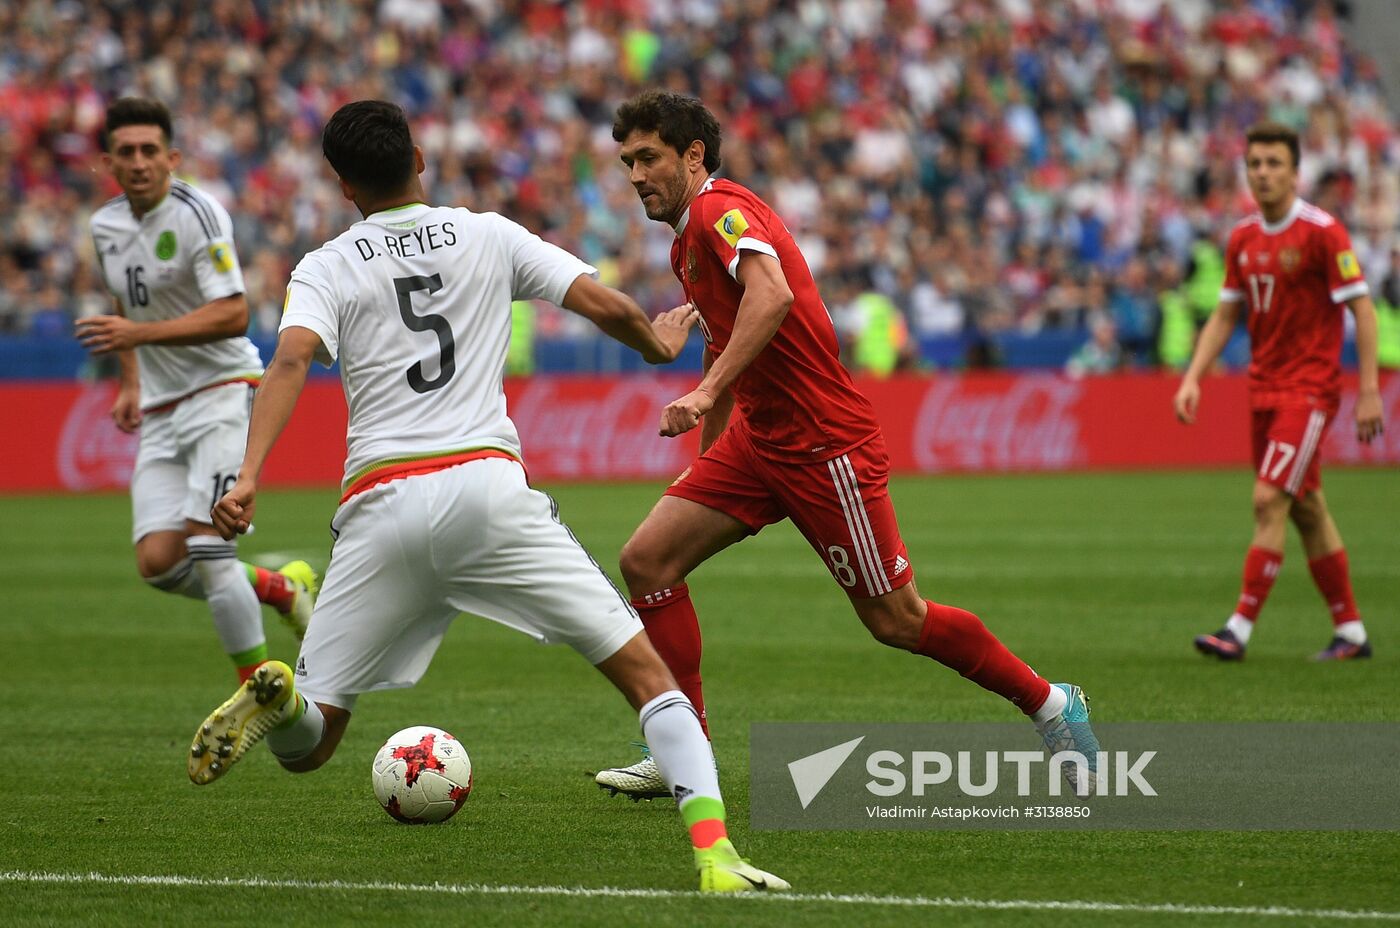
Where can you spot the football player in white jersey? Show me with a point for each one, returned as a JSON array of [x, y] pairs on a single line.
[[437, 516], [166, 252]]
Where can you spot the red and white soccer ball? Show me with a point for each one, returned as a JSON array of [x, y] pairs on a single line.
[[422, 775]]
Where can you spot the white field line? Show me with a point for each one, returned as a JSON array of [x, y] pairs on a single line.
[[608, 892]]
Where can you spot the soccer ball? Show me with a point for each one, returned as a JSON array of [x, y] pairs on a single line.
[[422, 775]]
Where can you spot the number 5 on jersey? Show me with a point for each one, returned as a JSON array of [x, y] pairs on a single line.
[[447, 362]]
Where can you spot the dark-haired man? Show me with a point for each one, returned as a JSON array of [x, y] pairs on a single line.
[[1292, 265], [803, 442], [437, 517], [166, 253]]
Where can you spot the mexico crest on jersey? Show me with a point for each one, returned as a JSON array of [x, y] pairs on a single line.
[[1289, 259], [692, 268], [732, 225], [165, 245]]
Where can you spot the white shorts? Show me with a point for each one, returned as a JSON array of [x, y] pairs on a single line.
[[411, 554], [189, 457]]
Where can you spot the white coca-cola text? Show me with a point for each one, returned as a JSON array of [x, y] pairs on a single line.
[[1030, 424], [93, 454], [570, 431]]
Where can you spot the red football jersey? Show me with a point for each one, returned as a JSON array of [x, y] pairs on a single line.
[[797, 398], [1295, 277]]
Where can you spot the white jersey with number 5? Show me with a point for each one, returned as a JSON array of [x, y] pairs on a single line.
[[415, 304]]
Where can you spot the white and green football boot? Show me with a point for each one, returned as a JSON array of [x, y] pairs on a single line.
[[641, 780], [1070, 731], [722, 870], [267, 699]]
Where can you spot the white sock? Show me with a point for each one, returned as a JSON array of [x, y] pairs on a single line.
[[1352, 632], [298, 737], [1054, 705], [182, 580], [672, 731], [1240, 627], [232, 602]]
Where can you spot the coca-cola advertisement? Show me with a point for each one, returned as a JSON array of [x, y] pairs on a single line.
[[1027, 424], [605, 428], [92, 453], [1341, 445], [600, 428]]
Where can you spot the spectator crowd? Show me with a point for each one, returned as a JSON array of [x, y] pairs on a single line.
[[953, 170]]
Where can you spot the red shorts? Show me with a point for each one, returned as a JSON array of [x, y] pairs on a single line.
[[1286, 440], [842, 506]]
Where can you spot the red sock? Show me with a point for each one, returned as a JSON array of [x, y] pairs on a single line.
[[1333, 579], [247, 671], [272, 588], [956, 638], [674, 630], [1260, 569]]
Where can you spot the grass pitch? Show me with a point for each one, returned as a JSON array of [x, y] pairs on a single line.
[[1098, 579]]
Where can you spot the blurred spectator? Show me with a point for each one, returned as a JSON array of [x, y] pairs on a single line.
[[1177, 335], [265, 276], [987, 167], [1101, 354], [1387, 298], [520, 356], [1388, 335], [1389, 290], [1205, 275], [932, 309], [14, 296], [882, 337], [50, 313], [1135, 312]]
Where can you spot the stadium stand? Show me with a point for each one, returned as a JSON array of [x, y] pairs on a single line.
[[1005, 173]]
